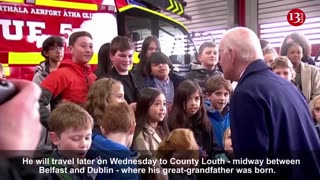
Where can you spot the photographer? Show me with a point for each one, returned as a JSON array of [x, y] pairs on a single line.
[[19, 131]]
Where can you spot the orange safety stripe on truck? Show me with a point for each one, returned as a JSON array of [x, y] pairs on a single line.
[[67, 4], [34, 58]]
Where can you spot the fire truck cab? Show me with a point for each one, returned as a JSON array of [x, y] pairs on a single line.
[[25, 24]]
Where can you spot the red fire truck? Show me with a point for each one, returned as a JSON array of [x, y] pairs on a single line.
[[25, 24]]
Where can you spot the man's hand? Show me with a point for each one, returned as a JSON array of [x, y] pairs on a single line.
[[20, 119]]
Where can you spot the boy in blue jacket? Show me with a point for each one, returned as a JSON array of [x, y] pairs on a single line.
[[117, 128], [218, 91]]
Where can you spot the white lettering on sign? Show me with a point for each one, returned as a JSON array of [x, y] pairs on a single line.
[[19, 26], [87, 15], [5, 23], [35, 31], [66, 30], [14, 9], [45, 12], [71, 14]]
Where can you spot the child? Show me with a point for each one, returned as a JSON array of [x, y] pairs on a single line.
[[104, 65], [307, 76], [227, 142], [117, 127], [150, 45], [218, 91], [284, 68], [70, 130], [159, 75], [208, 57], [303, 41], [53, 52], [264, 43], [121, 54], [101, 93], [152, 127], [269, 54], [188, 112], [180, 144], [72, 79], [314, 107], [151, 116], [2, 73]]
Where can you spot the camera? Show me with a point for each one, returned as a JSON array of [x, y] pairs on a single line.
[[7, 91]]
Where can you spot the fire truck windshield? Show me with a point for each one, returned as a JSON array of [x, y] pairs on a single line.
[[174, 39]]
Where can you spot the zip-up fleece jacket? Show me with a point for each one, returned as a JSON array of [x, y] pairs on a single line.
[[200, 75], [70, 82], [41, 72]]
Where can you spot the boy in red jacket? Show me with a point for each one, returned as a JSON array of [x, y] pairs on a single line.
[[72, 79]]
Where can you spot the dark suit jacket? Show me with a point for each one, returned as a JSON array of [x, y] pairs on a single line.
[[270, 119]]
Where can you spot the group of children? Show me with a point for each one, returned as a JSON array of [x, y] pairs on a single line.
[[122, 131], [149, 110], [119, 114], [295, 65]]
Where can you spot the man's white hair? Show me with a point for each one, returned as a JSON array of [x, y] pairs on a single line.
[[245, 42]]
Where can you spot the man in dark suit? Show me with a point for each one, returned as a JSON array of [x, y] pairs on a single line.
[[269, 116]]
